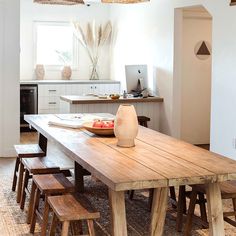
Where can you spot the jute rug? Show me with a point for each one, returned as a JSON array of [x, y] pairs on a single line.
[[12, 219]]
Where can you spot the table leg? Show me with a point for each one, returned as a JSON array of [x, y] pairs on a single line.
[[79, 178], [117, 205], [215, 211], [43, 143], [159, 207]]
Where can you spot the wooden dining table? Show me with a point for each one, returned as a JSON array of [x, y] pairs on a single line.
[[157, 161]]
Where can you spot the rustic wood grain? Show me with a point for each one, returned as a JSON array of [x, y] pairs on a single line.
[[159, 207], [223, 167], [94, 100], [214, 202], [157, 161], [117, 205]]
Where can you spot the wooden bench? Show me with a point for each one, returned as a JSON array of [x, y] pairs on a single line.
[[45, 185], [67, 209], [23, 151]]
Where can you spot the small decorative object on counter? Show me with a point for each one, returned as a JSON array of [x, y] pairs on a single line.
[[39, 72], [114, 96], [126, 125], [124, 94], [66, 72]]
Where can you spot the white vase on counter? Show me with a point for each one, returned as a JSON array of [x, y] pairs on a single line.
[[126, 125], [66, 72], [39, 71]]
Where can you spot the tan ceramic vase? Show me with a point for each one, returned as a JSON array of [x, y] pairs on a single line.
[[126, 125], [66, 72], [39, 72]]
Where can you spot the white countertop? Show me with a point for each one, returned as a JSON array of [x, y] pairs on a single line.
[[69, 82]]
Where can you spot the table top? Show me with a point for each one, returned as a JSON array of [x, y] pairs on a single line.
[[73, 99], [157, 160]]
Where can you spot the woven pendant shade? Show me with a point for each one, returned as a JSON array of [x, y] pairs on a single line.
[[233, 2], [74, 2], [60, 2], [124, 1]]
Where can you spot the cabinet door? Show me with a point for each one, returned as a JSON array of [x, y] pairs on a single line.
[[49, 97], [79, 89], [108, 88], [49, 90]]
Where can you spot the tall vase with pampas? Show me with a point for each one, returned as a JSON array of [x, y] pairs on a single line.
[[93, 38]]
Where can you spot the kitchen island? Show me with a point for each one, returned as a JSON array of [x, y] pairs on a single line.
[[149, 107]]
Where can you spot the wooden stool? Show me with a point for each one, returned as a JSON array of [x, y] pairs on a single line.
[[228, 191], [46, 185], [142, 120], [66, 209], [23, 151], [35, 166]]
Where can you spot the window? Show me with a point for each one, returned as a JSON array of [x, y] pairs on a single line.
[[55, 44]]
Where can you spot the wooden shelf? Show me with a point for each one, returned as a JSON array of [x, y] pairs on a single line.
[[95, 100]]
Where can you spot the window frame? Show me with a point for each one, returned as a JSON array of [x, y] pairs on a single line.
[[75, 45]]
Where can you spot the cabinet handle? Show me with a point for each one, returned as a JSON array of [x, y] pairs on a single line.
[[52, 103], [52, 90], [95, 87]]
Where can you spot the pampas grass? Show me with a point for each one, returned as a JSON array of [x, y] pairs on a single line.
[[93, 38]]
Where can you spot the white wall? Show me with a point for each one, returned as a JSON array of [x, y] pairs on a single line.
[[195, 79], [146, 34], [9, 76], [31, 12]]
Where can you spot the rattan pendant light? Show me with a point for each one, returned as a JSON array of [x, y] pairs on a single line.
[[60, 2], [233, 2], [124, 1], [74, 2]]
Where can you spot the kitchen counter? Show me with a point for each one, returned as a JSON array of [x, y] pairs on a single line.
[[69, 82], [149, 107], [96, 100]]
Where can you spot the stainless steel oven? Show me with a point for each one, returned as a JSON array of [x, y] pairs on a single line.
[[28, 102]]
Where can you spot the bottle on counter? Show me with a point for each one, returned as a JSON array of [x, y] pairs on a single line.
[[124, 94]]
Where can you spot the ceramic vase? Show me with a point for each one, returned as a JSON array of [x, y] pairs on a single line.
[[39, 72], [66, 72], [126, 125]]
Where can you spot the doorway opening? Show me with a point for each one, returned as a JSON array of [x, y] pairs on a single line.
[[192, 75]]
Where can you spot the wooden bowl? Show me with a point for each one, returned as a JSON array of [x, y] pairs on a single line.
[[114, 96], [99, 131]]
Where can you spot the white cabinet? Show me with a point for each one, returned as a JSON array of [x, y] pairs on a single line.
[[83, 89], [49, 97], [49, 94]]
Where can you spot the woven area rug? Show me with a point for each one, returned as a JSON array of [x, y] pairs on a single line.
[[12, 219]]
